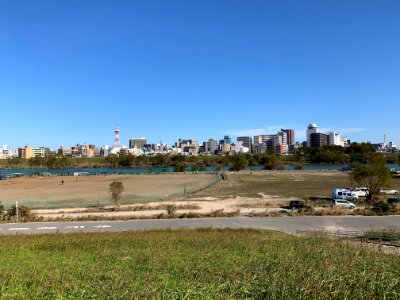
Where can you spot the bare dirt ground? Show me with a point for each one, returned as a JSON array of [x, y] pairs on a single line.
[[74, 195], [84, 191]]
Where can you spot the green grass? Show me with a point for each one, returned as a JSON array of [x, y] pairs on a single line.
[[193, 264], [292, 184], [285, 184]]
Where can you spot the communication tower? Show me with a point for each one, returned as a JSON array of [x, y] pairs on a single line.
[[117, 143]]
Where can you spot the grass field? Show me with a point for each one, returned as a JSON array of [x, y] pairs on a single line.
[[301, 184], [201, 264], [286, 184]]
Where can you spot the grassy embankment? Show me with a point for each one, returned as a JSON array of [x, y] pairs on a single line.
[[202, 264]]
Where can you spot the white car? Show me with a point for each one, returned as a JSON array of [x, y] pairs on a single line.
[[344, 194], [360, 191], [389, 191], [343, 203]]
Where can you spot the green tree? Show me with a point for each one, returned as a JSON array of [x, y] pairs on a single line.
[[239, 163], [270, 162], [180, 166], [198, 166], [373, 176], [126, 160], [112, 160], [116, 188]]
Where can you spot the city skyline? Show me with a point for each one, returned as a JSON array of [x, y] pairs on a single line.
[[122, 143], [70, 71]]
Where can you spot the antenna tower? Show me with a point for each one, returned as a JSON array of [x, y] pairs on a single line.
[[116, 138]]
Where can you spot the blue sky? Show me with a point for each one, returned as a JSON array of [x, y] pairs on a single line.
[[71, 70]]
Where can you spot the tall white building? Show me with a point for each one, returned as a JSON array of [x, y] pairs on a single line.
[[5, 152], [335, 139], [312, 128]]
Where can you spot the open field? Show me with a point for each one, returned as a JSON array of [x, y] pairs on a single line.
[[148, 195], [287, 184], [87, 191], [193, 264]]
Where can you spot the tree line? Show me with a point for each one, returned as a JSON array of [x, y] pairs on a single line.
[[354, 155]]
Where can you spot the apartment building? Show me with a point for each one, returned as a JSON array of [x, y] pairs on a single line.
[[137, 142], [246, 141], [318, 139]]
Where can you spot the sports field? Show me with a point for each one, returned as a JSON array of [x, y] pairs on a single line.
[[85, 191]]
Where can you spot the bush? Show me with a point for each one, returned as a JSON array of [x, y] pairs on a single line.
[[298, 167], [2, 212], [24, 213], [381, 207], [171, 209]]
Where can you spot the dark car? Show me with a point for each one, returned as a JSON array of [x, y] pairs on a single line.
[[296, 204], [393, 200], [347, 168]]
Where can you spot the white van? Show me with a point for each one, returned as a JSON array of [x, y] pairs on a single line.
[[361, 191], [344, 194]]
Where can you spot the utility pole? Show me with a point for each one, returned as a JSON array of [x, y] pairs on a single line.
[[16, 209]]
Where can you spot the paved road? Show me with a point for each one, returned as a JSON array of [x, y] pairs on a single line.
[[286, 224]]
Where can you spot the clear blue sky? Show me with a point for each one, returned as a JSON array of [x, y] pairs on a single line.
[[71, 70]]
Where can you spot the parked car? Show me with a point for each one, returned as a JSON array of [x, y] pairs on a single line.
[[389, 191], [344, 194], [395, 172], [296, 204], [2, 177], [343, 203], [361, 191], [347, 168], [393, 200]]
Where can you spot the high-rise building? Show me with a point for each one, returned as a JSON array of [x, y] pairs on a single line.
[[137, 142], [266, 139], [280, 142], [318, 139], [289, 135], [334, 139], [212, 146], [227, 140], [246, 141], [312, 128]]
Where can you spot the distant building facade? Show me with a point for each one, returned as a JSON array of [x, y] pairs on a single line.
[[318, 139], [246, 141], [137, 142]]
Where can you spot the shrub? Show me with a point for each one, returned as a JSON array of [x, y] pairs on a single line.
[[381, 207], [171, 209], [116, 188], [24, 213], [298, 167]]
